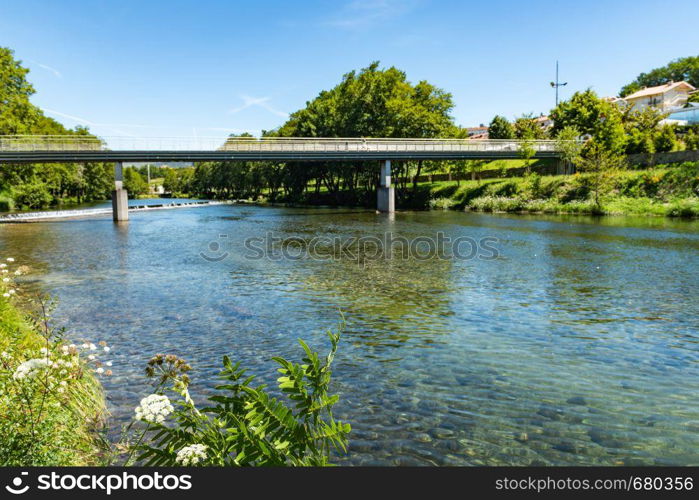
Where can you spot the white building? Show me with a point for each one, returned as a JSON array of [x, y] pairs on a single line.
[[668, 97]]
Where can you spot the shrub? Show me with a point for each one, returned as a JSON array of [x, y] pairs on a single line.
[[7, 203], [666, 140], [496, 204], [574, 188], [532, 189], [442, 203], [684, 208], [244, 426], [51, 404], [32, 195]]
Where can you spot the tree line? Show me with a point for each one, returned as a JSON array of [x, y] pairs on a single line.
[[371, 102], [41, 185]]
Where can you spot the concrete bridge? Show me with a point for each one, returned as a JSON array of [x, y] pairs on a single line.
[[75, 149]]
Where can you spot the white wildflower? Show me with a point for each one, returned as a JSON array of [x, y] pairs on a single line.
[[12, 292], [44, 351], [5, 271], [6, 295], [91, 357], [93, 347], [154, 409], [18, 272], [108, 363], [5, 280], [10, 259], [191, 455], [31, 368], [85, 346], [107, 349], [5, 355], [3, 265], [100, 371]]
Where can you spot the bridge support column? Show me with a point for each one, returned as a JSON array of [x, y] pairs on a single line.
[[120, 198], [385, 196]]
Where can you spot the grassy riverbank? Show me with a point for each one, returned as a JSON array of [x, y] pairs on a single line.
[[52, 402], [667, 190]]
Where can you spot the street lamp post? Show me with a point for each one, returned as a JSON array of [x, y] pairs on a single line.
[[557, 84]]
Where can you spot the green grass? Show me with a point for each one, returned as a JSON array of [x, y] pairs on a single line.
[[669, 190], [38, 426]]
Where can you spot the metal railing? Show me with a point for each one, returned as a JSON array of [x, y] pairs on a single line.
[[29, 143]]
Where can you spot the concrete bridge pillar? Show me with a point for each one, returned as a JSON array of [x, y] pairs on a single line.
[[120, 198], [386, 196]]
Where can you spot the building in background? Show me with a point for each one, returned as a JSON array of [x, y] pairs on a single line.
[[477, 133], [668, 97]]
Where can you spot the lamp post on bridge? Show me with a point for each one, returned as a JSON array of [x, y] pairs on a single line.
[[556, 84]]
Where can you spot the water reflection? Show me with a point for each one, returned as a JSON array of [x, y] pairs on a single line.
[[578, 345]]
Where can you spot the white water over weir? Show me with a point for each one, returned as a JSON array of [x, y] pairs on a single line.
[[89, 212]]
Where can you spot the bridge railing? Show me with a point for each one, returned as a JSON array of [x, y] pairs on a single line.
[[29, 143]]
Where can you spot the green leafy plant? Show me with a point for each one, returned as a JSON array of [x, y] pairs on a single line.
[[245, 425], [51, 403]]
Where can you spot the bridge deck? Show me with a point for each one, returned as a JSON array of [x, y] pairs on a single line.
[[28, 149]]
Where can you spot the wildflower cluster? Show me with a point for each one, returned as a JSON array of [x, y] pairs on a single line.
[[168, 367], [154, 409], [30, 369], [8, 288], [191, 455]]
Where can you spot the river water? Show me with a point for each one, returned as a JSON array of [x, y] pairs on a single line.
[[578, 343]]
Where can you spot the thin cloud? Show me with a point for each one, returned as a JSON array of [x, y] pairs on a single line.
[[262, 102], [365, 13], [111, 126], [84, 121], [50, 69]]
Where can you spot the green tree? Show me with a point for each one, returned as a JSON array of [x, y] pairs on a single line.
[[526, 151], [134, 183], [682, 69], [666, 139], [641, 127], [500, 128], [569, 146], [373, 102], [17, 114], [601, 163], [526, 127], [592, 116], [691, 140]]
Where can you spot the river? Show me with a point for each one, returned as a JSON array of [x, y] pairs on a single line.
[[572, 341]]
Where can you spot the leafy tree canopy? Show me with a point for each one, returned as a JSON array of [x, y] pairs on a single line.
[[375, 102], [500, 128], [526, 127], [682, 69], [17, 114], [591, 115]]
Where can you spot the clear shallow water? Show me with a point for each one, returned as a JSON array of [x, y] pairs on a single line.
[[578, 345]]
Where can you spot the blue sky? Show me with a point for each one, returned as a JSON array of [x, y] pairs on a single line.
[[206, 68]]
